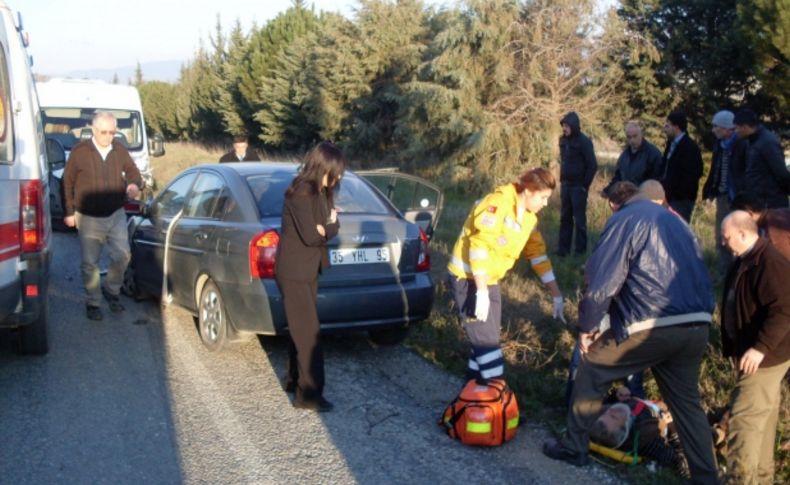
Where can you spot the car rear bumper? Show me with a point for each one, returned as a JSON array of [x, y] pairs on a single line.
[[258, 307], [35, 275]]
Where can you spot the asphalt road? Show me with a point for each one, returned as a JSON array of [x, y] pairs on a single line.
[[137, 399]]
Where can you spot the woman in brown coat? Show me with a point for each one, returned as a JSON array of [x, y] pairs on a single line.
[[309, 221]]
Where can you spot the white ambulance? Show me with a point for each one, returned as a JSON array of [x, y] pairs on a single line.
[[25, 231], [68, 107]]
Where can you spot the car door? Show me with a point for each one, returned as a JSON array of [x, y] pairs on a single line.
[[148, 241], [417, 199], [193, 236]]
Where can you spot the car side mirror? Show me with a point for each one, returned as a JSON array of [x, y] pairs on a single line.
[[156, 145]]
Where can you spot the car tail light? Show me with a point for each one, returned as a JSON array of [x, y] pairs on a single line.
[[31, 215], [424, 257], [263, 248]]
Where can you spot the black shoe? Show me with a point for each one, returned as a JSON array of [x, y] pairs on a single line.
[[322, 405], [113, 300], [557, 451], [93, 312], [289, 385]]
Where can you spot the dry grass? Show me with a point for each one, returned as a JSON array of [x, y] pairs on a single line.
[[179, 156], [537, 347]]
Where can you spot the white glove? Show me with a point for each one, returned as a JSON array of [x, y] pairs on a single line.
[[481, 304], [559, 308]]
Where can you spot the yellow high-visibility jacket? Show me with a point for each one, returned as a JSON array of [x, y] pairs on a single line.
[[494, 237]]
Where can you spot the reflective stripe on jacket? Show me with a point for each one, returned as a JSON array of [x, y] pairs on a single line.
[[494, 237]]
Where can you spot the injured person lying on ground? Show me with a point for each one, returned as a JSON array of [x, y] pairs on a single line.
[[640, 428]]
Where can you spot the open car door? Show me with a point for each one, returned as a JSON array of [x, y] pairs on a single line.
[[417, 199]]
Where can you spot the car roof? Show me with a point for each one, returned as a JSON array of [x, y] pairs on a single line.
[[245, 169]]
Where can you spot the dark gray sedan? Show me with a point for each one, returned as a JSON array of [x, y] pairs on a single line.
[[208, 241]]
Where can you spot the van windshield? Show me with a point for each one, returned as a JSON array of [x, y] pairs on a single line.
[[70, 125]]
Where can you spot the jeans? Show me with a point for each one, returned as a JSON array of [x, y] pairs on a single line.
[[573, 212], [94, 234]]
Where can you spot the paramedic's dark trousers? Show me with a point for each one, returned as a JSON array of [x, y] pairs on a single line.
[[674, 355], [487, 361], [305, 354]]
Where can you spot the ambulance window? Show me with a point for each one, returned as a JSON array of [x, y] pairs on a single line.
[[6, 126]]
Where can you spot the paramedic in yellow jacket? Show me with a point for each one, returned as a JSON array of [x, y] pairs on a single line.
[[500, 229]]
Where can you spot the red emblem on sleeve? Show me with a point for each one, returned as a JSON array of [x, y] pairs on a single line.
[[491, 209]]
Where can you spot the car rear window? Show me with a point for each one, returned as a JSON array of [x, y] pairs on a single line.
[[354, 196]]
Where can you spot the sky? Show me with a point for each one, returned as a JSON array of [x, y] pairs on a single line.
[[71, 35]]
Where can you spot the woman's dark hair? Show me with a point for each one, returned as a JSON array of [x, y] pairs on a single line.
[[323, 159], [535, 180]]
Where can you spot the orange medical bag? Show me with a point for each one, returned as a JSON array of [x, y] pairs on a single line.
[[482, 415]]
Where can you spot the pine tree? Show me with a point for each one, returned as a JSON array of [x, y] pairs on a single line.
[[765, 24], [138, 75]]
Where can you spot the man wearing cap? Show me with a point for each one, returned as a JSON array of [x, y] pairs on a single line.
[[682, 166], [725, 177], [241, 151], [766, 177]]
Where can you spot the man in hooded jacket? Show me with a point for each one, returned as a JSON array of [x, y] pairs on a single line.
[[577, 169]]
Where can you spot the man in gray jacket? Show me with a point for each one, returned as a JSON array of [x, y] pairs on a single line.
[[640, 160], [648, 274]]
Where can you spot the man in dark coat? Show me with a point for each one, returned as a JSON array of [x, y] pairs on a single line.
[[755, 333], [640, 160], [577, 169], [682, 166], [241, 151], [766, 177]]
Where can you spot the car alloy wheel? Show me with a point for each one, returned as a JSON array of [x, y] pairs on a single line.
[[212, 318]]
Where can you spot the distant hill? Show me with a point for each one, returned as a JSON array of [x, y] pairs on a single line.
[[167, 71]]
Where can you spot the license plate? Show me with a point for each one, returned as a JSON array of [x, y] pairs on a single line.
[[359, 256]]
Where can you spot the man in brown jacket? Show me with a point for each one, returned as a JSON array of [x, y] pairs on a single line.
[[99, 176], [755, 330], [773, 224]]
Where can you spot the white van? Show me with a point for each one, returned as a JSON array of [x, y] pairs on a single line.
[[25, 231], [68, 106]]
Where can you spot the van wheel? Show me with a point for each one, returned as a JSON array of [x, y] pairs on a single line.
[[33, 336], [212, 318], [389, 336]]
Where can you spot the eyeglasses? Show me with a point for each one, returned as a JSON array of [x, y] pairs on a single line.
[[107, 132]]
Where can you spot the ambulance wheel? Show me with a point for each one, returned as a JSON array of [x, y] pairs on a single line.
[[390, 335]]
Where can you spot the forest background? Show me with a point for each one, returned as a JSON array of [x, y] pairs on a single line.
[[469, 96]]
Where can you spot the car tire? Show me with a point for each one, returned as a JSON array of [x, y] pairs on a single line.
[[390, 335], [212, 318], [129, 286], [33, 336]]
